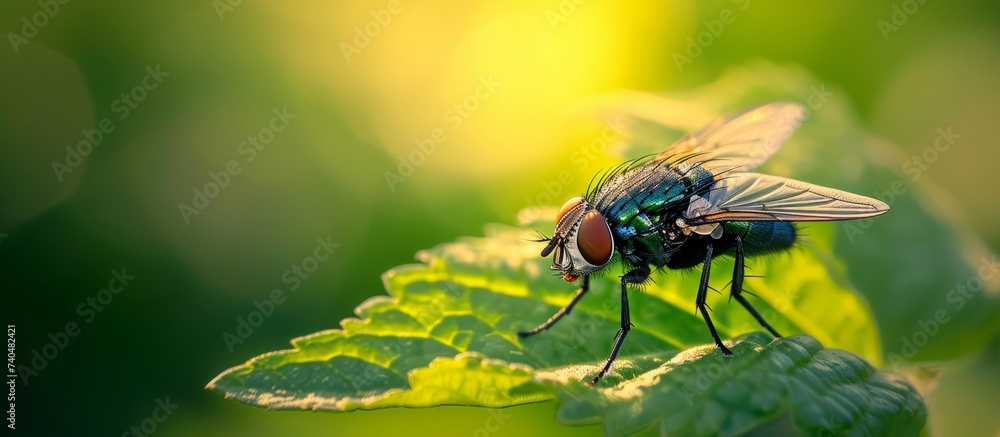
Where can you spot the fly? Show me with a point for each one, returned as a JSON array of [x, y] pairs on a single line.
[[692, 203]]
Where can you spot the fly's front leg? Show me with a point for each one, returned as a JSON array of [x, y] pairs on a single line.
[[737, 289], [703, 307], [562, 312], [636, 276]]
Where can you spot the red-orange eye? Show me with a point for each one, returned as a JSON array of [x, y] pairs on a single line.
[[594, 239], [572, 202]]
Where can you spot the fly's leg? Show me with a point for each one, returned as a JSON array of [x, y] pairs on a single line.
[[703, 307], [562, 312], [737, 289], [636, 276]]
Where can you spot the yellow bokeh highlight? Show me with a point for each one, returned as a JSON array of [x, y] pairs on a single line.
[[423, 67]]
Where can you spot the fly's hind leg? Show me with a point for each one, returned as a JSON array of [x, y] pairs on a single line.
[[736, 292], [703, 307]]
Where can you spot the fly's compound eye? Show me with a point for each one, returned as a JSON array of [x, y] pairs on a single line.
[[570, 204], [594, 239]]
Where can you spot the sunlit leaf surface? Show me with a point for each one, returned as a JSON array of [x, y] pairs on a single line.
[[446, 335], [825, 391]]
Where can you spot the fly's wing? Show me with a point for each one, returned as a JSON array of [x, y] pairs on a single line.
[[739, 142], [759, 197]]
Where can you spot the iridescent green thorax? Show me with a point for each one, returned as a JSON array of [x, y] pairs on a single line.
[[642, 203]]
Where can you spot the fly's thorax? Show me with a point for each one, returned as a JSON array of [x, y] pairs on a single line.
[[582, 242], [654, 230], [654, 190]]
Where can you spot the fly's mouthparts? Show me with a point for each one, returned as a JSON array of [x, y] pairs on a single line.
[[551, 246]]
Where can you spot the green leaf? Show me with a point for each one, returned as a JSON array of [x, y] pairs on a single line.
[[446, 335], [696, 392], [931, 282]]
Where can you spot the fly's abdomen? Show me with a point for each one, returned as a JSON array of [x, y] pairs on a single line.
[[763, 237]]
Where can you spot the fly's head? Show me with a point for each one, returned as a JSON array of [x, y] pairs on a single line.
[[582, 242]]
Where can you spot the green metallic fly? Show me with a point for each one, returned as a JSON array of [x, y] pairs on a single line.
[[690, 204]]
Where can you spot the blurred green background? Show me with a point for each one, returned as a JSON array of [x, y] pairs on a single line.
[[360, 104]]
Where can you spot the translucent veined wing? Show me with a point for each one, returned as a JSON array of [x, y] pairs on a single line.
[[739, 142], [759, 197]]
